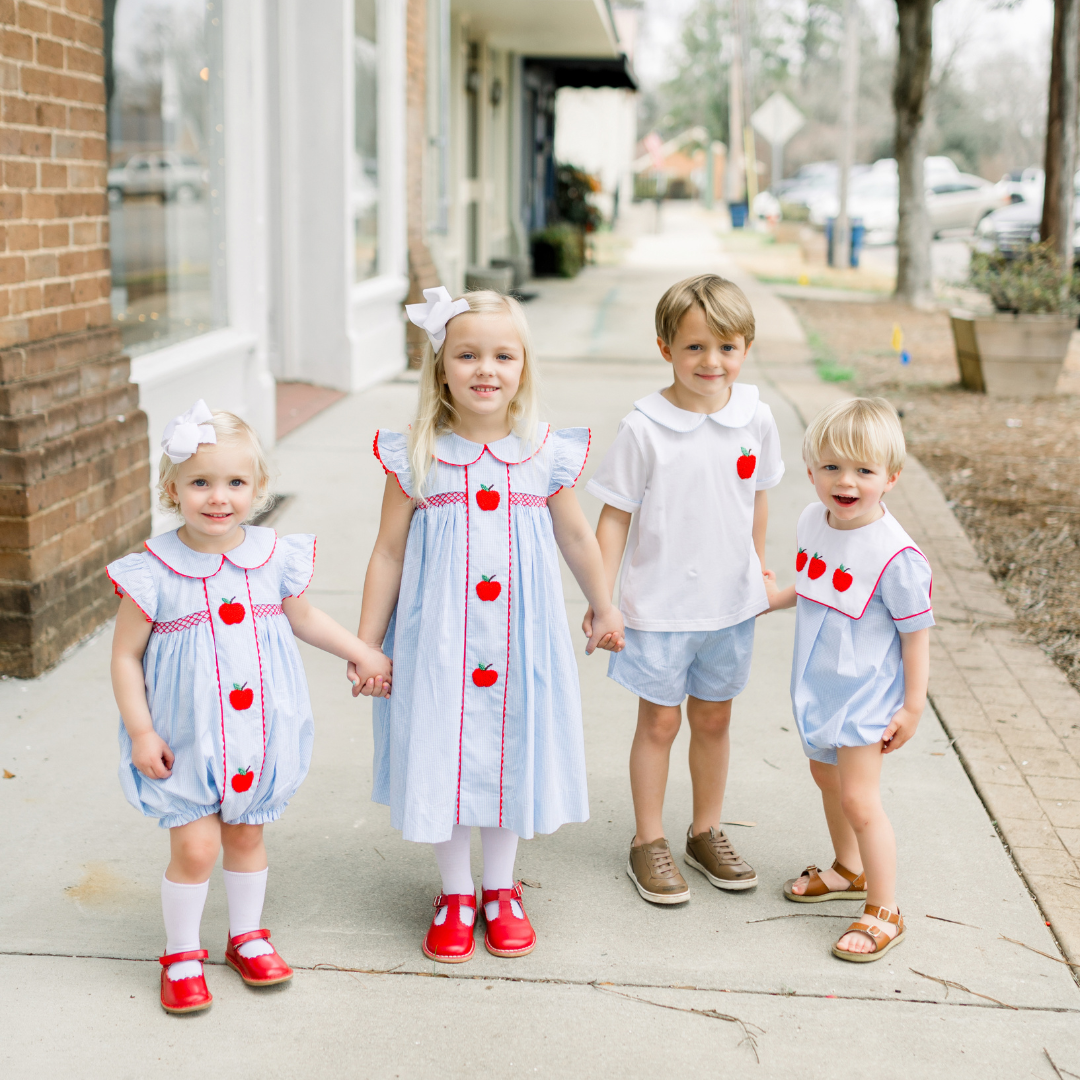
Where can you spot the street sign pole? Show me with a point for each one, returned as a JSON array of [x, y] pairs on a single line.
[[776, 121]]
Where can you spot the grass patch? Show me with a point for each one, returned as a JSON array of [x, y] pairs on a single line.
[[829, 369]]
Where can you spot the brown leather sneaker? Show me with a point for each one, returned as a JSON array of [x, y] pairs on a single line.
[[652, 869], [711, 853]]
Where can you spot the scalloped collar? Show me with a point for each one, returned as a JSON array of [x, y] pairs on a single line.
[[259, 544], [452, 449], [737, 413]]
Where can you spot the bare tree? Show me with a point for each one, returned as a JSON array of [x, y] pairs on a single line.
[[1061, 119], [911, 84]]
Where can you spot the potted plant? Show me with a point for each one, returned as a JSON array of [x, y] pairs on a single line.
[[1019, 349]]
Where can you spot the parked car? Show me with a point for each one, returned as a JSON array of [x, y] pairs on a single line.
[[164, 173], [1013, 227], [1023, 185], [954, 200]]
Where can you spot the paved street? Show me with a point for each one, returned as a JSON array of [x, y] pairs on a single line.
[[615, 986]]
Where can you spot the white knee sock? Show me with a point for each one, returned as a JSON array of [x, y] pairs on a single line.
[[182, 908], [245, 893], [500, 851], [453, 858]]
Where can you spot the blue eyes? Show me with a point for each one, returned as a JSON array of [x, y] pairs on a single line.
[[232, 483]]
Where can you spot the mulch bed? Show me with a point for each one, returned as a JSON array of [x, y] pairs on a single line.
[[1009, 468]]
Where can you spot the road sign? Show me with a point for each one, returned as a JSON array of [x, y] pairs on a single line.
[[777, 120]]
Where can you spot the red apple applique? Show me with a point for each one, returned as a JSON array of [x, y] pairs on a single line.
[[746, 464], [488, 588], [817, 566], [485, 675], [240, 698], [230, 611], [242, 780], [800, 559], [841, 579], [487, 499]]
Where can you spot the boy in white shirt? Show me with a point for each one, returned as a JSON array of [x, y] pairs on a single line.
[[684, 486]]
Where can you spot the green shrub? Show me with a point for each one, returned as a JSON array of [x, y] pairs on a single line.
[[1031, 282], [558, 250]]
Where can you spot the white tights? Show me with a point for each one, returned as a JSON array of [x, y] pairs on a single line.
[[500, 851]]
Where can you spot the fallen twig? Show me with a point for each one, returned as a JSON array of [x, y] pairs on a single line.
[[379, 853], [801, 915], [1067, 963], [1061, 1073], [954, 922], [947, 983], [768, 762], [356, 971], [744, 824], [749, 1036], [1073, 884]]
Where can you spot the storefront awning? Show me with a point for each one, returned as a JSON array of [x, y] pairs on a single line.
[[543, 27], [587, 71]]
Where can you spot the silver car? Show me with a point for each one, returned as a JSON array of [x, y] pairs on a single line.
[[163, 173]]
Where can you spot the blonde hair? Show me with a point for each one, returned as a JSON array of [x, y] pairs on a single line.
[[435, 411], [859, 429], [727, 311], [229, 428]]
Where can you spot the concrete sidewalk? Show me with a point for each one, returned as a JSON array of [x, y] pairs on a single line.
[[615, 986]]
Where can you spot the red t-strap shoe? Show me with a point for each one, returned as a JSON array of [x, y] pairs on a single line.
[[507, 934], [265, 970], [451, 941], [183, 995]]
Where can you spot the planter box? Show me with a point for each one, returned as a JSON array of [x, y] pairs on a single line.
[[1008, 355]]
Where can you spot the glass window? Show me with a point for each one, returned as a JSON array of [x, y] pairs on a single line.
[[166, 169], [366, 149]]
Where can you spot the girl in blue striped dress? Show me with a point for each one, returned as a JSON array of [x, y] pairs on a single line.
[[216, 725], [464, 592]]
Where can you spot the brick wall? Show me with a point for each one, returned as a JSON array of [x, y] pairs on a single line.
[[422, 272], [73, 448]]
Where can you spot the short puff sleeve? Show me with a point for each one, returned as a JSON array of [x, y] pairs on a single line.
[[298, 552], [133, 577], [770, 469], [570, 451], [622, 475], [392, 450], [905, 588]]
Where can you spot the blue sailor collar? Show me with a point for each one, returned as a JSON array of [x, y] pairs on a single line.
[[737, 413], [259, 544], [452, 449]]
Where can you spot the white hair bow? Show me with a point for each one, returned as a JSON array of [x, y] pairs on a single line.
[[433, 315], [184, 433]]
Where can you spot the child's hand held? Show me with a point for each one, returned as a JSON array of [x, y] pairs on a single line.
[[605, 631]]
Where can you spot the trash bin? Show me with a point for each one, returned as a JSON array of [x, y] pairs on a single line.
[[858, 231], [738, 215]]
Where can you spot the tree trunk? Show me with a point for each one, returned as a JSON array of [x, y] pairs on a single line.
[[910, 86], [1061, 120]]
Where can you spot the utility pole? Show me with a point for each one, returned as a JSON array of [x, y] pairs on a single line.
[[742, 30], [849, 88], [1061, 120], [733, 174]]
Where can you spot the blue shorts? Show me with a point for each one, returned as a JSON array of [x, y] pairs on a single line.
[[663, 666]]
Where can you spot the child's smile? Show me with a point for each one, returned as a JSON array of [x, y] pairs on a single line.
[[704, 364], [851, 490]]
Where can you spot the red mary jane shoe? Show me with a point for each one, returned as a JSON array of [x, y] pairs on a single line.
[[183, 995], [507, 935], [451, 941], [265, 970]]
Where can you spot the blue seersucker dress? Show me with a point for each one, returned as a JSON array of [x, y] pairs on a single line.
[[484, 723]]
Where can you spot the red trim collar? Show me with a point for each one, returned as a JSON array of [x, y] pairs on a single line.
[[452, 449], [256, 550]]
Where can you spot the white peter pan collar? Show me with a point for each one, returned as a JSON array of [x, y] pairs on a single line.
[[737, 413], [452, 449], [259, 544]]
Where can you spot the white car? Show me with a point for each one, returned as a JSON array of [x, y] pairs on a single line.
[[164, 173]]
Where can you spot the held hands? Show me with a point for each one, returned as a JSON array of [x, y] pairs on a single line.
[[604, 631], [150, 754], [900, 729], [370, 672], [778, 598]]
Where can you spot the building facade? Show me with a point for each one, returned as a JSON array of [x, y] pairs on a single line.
[[204, 198]]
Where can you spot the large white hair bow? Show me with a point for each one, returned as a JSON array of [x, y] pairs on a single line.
[[184, 433], [433, 315]]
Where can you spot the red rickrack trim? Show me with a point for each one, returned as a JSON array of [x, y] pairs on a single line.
[[175, 626], [314, 545], [262, 683], [588, 446], [261, 610], [120, 591], [389, 472]]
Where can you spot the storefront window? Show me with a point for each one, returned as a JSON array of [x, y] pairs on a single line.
[[366, 150], [166, 169]]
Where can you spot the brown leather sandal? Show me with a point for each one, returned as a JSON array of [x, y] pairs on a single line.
[[817, 890], [882, 942]]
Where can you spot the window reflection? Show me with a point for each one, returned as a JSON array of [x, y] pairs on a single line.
[[366, 151], [166, 170]]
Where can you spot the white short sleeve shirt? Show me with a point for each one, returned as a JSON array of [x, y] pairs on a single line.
[[689, 479]]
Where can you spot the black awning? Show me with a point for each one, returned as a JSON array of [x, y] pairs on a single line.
[[579, 72]]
